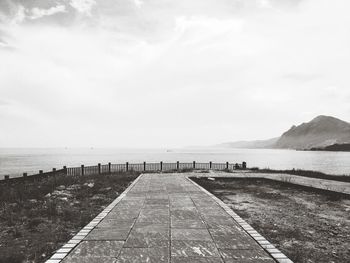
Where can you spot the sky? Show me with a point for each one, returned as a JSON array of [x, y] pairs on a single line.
[[160, 73]]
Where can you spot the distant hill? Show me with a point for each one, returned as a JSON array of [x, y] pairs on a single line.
[[334, 148], [249, 144], [320, 132]]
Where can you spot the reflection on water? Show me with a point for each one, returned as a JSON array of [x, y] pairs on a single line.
[[17, 161]]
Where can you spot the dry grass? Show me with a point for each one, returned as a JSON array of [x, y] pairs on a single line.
[[36, 218]]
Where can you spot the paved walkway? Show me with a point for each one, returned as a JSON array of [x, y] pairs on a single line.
[[167, 218]]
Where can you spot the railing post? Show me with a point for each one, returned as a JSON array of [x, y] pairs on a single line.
[[161, 166], [65, 170], [227, 165], [144, 166], [177, 165], [236, 166], [82, 169], [109, 168], [7, 177], [99, 168], [127, 166], [244, 165], [54, 174], [210, 164], [194, 165], [25, 175]]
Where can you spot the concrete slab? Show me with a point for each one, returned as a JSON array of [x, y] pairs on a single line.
[[245, 256], [143, 255], [166, 218], [190, 234], [196, 260], [191, 248]]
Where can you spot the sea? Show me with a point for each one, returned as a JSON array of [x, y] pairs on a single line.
[[16, 161]]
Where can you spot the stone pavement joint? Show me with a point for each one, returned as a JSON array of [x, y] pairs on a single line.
[[167, 218]]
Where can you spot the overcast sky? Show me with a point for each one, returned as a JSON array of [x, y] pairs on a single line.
[[161, 73]]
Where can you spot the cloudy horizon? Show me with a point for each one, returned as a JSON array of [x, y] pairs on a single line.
[[138, 73]]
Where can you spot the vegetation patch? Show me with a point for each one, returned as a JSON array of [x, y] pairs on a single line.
[[37, 218], [307, 224], [305, 173]]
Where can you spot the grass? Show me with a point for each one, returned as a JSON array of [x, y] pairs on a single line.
[[305, 223], [305, 173], [38, 217]]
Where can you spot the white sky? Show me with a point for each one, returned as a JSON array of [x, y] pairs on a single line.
[[161, 73]]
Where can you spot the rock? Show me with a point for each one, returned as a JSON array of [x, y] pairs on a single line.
[[91, 184], [73, 187], [98, 197], [33, 201], [60, 194], [13, 205], [104, 190], [61, 187], [48, 195]]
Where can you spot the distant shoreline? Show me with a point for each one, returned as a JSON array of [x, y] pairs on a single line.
[[334, 148]]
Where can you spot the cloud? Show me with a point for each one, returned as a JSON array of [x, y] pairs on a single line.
[[138, 3], [83, 6], [36, 12], [19, 16], [173, 74]]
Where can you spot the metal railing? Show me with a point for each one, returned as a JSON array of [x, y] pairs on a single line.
[[125, 167]]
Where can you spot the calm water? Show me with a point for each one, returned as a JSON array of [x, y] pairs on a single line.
[[17, 161]]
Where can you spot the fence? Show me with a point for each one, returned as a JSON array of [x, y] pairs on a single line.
[[138, 167]]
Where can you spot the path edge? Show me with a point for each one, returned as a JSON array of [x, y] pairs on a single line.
[[275, 253], [61, 253]]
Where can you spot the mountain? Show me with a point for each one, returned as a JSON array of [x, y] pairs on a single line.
[[249, 144], [320, 132]]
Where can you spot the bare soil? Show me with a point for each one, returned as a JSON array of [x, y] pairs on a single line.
[[306, 224], [37, 218]]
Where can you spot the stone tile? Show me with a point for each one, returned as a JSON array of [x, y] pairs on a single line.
[[159, 219], [190, 234], [235, 243], [108, 234], [190, 248], [121, 216], [156, 201], [93, 251], [143, 255], [184, 214], [217, 221], [196, 260], [213, 212], [148, 235], [229, 232], [245, 256], [97, 248], [113, 223], [155, 211], [89, 260], [178, 223]]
